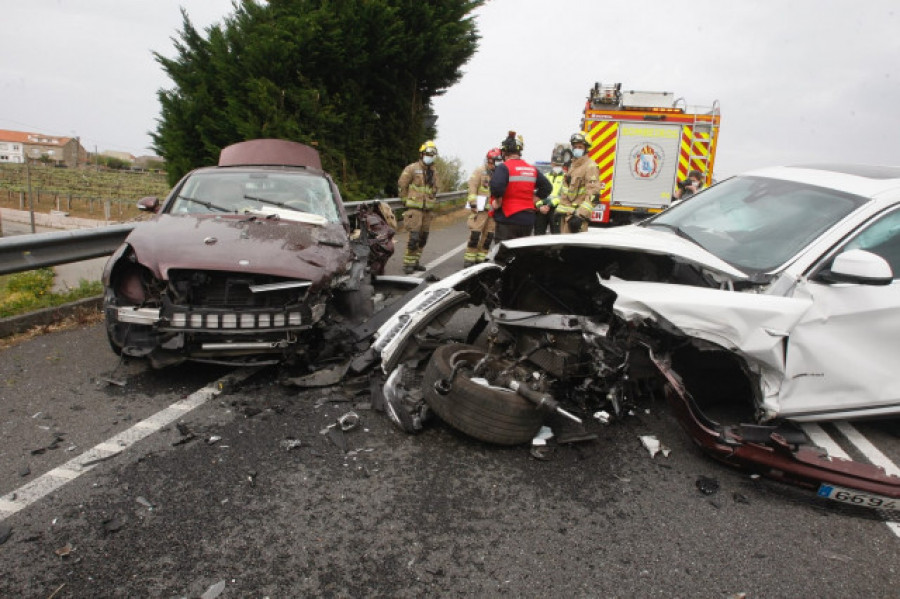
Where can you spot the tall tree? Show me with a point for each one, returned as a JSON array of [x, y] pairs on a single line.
[[353, 77]]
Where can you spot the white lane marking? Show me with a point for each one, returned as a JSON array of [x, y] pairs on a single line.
[[61, 475], [823, 440], [872, 453], [441, 259]]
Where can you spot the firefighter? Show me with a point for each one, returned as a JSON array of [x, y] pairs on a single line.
[[688, 187], [481, 224], [418, 185], [546, 208], [582, 190], [513, 187]]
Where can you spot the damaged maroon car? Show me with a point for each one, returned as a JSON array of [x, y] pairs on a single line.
[[252, 261], [767, 301]]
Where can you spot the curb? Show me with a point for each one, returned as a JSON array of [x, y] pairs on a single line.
[[12, 325]]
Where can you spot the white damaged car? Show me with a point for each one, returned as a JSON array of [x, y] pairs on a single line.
[[775, 292]]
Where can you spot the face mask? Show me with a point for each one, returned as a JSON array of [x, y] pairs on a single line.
[[427, 159], [557, 169], [578, 152]]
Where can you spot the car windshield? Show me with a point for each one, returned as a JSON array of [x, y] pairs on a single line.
[[757, 224], [240, 192]]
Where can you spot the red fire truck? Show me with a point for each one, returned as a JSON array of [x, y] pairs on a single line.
[[644, 143]]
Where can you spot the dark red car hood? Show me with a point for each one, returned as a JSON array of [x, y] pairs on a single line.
[[236, 243]]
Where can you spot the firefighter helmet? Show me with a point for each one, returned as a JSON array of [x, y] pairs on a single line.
[[579, 138], [493, 156], [428, 148], [513, 144]]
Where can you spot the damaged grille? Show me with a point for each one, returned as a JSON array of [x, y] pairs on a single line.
[[224, 290]]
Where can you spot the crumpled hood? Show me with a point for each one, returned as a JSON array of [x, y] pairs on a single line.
[[238, 243], [631, 237]]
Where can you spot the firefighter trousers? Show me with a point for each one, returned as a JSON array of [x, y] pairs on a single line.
[[481, 234]]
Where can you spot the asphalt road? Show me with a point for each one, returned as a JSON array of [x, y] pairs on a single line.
[[245, 495]]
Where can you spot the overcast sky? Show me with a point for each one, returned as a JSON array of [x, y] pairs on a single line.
[[798, 81]]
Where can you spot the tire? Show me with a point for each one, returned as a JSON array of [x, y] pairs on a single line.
[[490, 414]]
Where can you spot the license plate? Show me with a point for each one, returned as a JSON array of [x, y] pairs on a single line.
[[855, 497]]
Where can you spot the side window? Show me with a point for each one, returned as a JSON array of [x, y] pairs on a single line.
[[881, 237]]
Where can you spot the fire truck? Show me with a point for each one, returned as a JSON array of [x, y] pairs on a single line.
[[644, 144]]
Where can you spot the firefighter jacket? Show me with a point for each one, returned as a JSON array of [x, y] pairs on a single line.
[[418, 185], [517, 182], [582, 187], [557, 180], [479, 185]]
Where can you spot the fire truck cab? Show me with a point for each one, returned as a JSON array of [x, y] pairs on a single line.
[[644, 143]]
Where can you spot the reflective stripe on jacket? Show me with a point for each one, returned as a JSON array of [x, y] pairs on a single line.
[[418, 185], [479, 184]]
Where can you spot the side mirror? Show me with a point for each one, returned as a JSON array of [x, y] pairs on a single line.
[[148, 204], [861, 267]]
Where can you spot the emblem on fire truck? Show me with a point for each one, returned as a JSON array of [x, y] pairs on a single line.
[[646, 160]]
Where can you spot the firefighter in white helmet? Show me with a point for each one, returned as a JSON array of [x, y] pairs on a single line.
[[418, 186], [481, 223], [582, 189]]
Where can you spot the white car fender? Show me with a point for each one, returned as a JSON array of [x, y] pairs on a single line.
[[751, 325]]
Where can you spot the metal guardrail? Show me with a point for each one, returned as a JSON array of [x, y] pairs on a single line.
[[38, 250]]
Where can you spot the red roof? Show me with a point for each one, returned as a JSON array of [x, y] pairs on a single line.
[[33, 138]]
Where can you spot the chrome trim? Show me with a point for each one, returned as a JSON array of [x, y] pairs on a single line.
[[279, 286], [145, 316]]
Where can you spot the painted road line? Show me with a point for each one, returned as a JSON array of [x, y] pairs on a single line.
[[441, 259], [873, 454], [821, 439], [61, 475]]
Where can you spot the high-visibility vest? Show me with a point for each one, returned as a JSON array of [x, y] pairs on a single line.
[[519, 192]]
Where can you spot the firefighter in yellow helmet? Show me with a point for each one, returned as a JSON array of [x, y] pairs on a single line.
[[481, 223], [418, 186], [582, 189]]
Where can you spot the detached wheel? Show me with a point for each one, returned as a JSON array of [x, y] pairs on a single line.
[[490, 414]]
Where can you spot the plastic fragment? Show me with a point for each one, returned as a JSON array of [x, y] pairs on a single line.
[[707, 486], [602, 417], [144, 502], [652, 444], [348, 421], [214, 591], [542, 436], [65, 550], [290, 443], [213, 439]]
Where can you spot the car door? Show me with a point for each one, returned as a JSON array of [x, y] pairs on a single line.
[[843, 358]]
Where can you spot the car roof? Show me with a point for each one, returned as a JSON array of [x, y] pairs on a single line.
[[270, 152], [863, 180]]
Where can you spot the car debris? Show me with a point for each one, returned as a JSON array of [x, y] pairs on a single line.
[[65, 551], [768, 296], [214, 591], [290, 443], [348, 421], [542, 436], [652, 444], [707, 485], [145, 502]]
